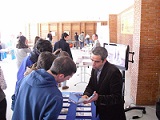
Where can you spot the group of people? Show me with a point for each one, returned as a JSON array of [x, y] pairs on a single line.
[[37, 95], [81, 40]]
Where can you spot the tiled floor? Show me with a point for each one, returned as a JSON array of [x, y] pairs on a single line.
[[9, 68]]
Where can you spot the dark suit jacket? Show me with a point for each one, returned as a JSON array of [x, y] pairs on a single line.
[[64, 46], [110, 103]]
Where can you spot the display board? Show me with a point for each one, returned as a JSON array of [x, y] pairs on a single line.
[[118, 54]]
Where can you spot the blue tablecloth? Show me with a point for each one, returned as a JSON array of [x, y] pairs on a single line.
[[85, 111]]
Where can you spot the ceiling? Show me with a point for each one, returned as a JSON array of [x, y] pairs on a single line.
[[60, 10]]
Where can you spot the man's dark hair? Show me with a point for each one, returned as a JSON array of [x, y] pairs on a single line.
[[43, 45], [63, 65], [64, 35], [45, 60], [101, 51]]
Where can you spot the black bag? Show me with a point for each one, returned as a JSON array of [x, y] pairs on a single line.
[[158, 109]]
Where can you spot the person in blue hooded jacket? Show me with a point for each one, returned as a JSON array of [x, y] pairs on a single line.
[[38, 96]]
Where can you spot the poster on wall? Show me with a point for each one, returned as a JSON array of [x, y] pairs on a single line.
[[127, 22]]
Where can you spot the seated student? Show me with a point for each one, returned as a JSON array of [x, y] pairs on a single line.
[[38, 97], [3, 102]]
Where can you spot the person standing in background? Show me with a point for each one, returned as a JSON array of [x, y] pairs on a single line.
[[76, 40], [49, 36], [64, 46], [22, 50], [20, 34], [35, 40], [3, 102], [81, 40], [96, 42], [87, 39]]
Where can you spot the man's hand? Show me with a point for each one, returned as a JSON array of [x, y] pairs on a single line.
[[93, 98]]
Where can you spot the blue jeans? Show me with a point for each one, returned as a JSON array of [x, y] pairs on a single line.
[[81, 45]]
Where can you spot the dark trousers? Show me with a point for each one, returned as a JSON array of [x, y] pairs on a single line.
[[3, 108]]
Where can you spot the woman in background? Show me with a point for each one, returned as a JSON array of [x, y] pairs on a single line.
[[22, 50], [35, 41]]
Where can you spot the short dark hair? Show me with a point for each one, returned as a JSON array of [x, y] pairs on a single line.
[[63, 65], [45, 60], [43, 45], [64, 35], [101, 51]]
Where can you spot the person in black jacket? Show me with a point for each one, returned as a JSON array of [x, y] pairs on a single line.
[[76, 40], [105, 85], [64, 46], [49, 36]]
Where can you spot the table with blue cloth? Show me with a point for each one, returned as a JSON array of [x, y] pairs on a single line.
[[72, 111]]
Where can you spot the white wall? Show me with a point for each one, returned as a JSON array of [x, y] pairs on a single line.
[[103, 33]]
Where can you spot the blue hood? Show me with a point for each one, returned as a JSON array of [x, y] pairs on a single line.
[[40, 78]]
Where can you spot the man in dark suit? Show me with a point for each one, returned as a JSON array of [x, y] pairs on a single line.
[[62, 44], [106, 85]]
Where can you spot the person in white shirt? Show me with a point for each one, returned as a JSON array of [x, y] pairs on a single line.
[[22, 50], [96, 42], [81, 40]]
